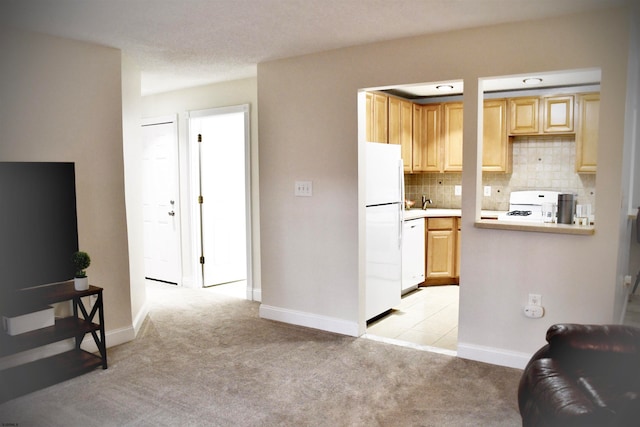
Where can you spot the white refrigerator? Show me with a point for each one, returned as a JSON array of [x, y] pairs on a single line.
[[384, 200]]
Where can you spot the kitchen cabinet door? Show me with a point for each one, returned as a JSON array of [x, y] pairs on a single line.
[[427, 138], [524, 115], [495, 143], [441, 240], [377, 117], [401, 127], [453, 137], [588, 116], [440, 244], [557, 114]]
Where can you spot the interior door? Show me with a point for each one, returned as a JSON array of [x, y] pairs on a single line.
[[161, 213], [223, 206]]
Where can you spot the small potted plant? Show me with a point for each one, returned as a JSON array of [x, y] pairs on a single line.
[[81, 261]]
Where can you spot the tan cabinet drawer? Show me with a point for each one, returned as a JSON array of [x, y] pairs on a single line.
[[441, 223]]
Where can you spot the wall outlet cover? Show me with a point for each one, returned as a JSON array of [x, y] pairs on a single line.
[[303, 189]]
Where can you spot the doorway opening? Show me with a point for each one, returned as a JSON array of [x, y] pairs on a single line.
[[426, 316], [219, 143]]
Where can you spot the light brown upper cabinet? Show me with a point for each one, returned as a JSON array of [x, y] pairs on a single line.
[[495, 143], [437, 137], [532, 115], [377, 117], [452, 132], [557, 114], [401, 128], [524, 115], [427, 138], [588, 116]]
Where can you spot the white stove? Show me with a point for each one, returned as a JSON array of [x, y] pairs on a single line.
[[526, 206]]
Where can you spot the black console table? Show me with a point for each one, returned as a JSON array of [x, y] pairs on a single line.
[[31, 376]]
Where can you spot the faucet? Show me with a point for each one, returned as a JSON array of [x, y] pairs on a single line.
[[425, 202]]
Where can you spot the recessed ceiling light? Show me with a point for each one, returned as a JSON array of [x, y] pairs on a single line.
[[444, 87], [532, 81]]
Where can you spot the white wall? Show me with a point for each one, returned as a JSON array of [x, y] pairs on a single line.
[[133, 157], [632, 149], [312, 247], [180, 102], [62, 101]]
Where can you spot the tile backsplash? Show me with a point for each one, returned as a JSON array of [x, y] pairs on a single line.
[[539, 163]]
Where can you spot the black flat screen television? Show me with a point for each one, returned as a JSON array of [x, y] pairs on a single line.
[[38, 224]]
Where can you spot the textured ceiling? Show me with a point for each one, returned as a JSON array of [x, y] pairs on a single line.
[[183, 43]]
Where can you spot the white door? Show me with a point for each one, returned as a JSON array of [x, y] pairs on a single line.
[[223, 191], [161, 212]]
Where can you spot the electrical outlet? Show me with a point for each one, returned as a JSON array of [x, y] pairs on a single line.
[[487, 190], [535, 299], [534, 311], [457, 190]]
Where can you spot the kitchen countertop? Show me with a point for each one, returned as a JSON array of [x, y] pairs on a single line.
[[489, 220], [410, 214], [537, 227]]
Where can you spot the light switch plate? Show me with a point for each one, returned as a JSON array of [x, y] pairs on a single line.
[[303, 189]]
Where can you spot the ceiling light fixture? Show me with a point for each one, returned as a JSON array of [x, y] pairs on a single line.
[[532, 81], [444, 87]]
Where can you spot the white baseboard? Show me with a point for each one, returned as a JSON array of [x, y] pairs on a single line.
[[36, 353], [309, 320], [139, 318], [113, 338], [495, 356], [254, 295], [188, 282]]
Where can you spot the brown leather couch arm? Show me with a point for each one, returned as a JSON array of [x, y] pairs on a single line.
[[587, 375], [600, 338]]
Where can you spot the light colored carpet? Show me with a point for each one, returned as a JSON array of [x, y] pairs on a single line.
[[205, 359]]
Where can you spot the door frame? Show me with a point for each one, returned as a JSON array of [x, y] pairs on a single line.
[[194, 178], [173, 120]]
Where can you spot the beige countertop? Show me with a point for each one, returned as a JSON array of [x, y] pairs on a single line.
[[537, 227], [489, 220], [439, 213]]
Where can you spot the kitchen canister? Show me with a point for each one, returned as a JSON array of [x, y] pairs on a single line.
[[548, 212], [565, 208]]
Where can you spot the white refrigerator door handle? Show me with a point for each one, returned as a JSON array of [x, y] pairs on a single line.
[[401, 204]]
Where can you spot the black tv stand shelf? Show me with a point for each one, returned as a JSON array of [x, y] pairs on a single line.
[[28, 377]]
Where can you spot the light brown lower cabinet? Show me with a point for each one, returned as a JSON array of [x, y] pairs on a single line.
[[441, 251]]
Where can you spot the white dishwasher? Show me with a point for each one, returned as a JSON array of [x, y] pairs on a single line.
[[413, 254]]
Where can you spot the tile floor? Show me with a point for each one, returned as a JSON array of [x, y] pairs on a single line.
[[426, 317]]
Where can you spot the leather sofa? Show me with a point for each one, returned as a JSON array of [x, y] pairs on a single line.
[[587, 375]]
